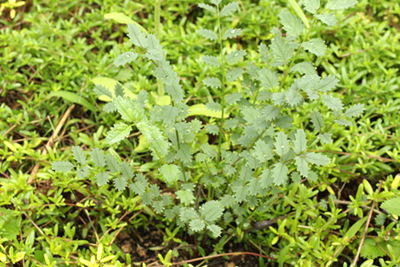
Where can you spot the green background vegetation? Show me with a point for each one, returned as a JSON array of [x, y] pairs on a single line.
[[52, 48]]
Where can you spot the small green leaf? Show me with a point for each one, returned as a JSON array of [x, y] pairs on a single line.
[[79, 155], [262, 152], [136, 36], [216, 2], [300, 143], [232, 33], [332, 102], [118, 132], [211, 60], [317, 159], [282, 51], [208, 7], [98, 157], [197, 225], [185, 196], [122, 19], [315, 46], [302, 166], [304, 68], [83, 172], [124, 58], [211, 211], [317, 120], [171, 173], [215, 230], [234, 74], [299, 12], [325, 138], [355, 110], [112, 163], [62, 166], [291, 23], [327, 18], [340, 4], [229, 9], [202, 110], [392, 206], [120, 183], [280, 173], [208, 34], [281, 144], [212, 82], [326, 84], [102, 178], [311, 5], [126, 170], [268, 78], [234, 56]]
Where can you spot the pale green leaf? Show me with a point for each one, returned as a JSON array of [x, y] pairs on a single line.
[[262, 152], [128, 110], [344, 122], [317, 159], [268, 78], [315, 46], [291, 23], [102, 178], [325, 138], [208, 34], [280, 173], [300, 143], [327, 83], [83, 172], [311, 5], [120, 183], [229, 9], [79, 155], [355, 110], [299, 12], [282, 51], [304, 68], [302, 166], [211, 211], [340, 4], [215, 230], [175, 91], [124, 58], [281, 144], [317, 120], [216, 2], [170, 172], [208, 7], [212, 82], [136, 36], [139, 186], [185, 196], [122, 19], [118, 132], [332, 102], [234, 74], [197, 225], [126, 170], [62, 166], [202, 110], [392, 206], [293, 97], [98, 157], [327, 18], [112, 163], [232, 33], [234, 56], [211, 60]]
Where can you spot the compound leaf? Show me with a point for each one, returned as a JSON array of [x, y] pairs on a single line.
[[118, 132], [136, 36], [211, 211]]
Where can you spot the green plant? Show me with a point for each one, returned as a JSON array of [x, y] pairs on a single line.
[[258, 149]]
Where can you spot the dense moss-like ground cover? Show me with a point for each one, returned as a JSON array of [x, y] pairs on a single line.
[[52, 50]]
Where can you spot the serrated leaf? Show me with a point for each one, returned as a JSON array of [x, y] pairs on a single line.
[[327, 18], [268, 78], [185, 196], [317, 159], [325, 138], [234, 56], [392, 206], [300, 142], [101, 90], [212, 82], [208, 34], [315, 46], [304, 68], [233, 98], [83, 172], [293, 97], [311, 5], [281, 144], [120, 183], [371, 249], [136, 36], [212, 129], [128, 111], [269, 113], [112, 163], [208, 7], [139, 186], [118, 132], [332, 102], [232, 33], [79, 155], [280, 173], [126, 170], [229, 9], [282, 51], [124, 58], [327, 83], [317, 120], [175, 91], [211, 60], [216, 2], [170, 172], [98, 157], [291, 23], [302, 166], [262, 152], [62, 166], [211, 211], [215, 230], [340, 4], [197, 225], [355, 110], [102, 178], [234, 74], [344, 122]]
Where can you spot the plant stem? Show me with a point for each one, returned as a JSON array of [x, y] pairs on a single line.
[[180, 161], [157, 16], [222, 61]]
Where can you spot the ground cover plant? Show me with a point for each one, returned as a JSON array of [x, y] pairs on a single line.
[[261, 145]]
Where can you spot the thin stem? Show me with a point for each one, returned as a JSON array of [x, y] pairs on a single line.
[[222, 61], [157, 16], [180, 161]]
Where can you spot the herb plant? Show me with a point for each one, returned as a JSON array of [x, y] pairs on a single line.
[[214, 168]]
